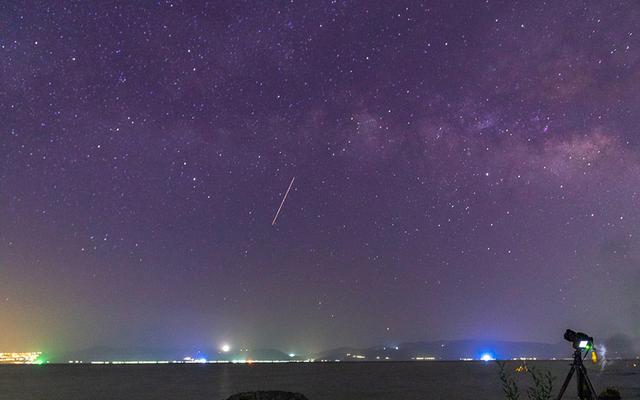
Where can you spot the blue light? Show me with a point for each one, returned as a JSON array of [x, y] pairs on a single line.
[[200, 358], [487, 357]]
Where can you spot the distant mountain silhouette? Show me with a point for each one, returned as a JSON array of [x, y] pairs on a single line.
[[104, 353], [617, 347], [451, 350]]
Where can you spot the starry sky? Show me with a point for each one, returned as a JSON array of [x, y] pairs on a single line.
[[466, 169]]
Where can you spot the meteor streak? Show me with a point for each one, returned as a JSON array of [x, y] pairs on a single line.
[[282, 203]]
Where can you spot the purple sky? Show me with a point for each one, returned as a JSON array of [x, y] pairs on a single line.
[[463, 170]]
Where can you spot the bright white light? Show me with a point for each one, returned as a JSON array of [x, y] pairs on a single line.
[[292, 355], [487, 357], [225, 348], [583, 344]]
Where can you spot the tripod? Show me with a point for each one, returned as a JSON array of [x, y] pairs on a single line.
[[585, 388]]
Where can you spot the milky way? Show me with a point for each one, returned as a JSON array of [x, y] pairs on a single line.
[[462, 170]]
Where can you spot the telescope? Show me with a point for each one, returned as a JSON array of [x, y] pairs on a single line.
[[580, 340]]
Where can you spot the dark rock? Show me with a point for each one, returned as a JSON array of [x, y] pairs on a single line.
[[610, 393], [267, 395]]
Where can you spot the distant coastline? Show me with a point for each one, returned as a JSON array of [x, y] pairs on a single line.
[[460, 350]]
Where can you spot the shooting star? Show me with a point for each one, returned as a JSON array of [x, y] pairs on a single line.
[[282, 203]]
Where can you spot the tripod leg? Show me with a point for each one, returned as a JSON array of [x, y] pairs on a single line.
[[566, 382], [588, 383]]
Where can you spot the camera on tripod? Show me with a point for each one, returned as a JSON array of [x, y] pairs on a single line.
[[580, 340]]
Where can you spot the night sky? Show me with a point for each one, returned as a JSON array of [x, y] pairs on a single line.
[[463, 169]]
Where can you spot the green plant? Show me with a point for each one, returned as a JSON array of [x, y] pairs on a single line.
[[542, 384], [610, 393], [509, 386]]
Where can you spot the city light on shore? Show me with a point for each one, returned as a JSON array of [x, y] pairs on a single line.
[[188, 360], [487, 357], [21, 358]]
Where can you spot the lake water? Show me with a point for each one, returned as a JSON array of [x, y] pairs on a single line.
[[335, 381]]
